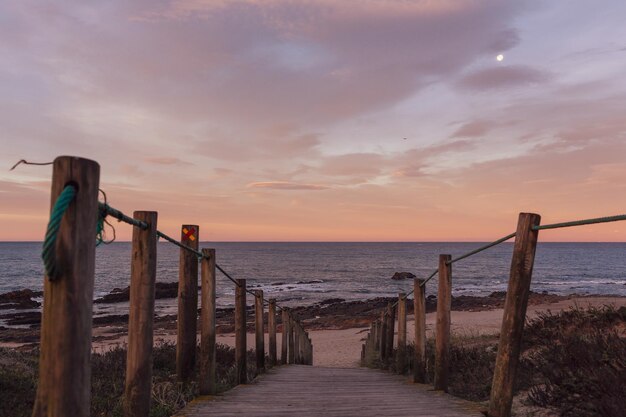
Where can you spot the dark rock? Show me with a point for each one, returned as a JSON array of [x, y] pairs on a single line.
[[22, 319], [332, 301], [19, 300], [398, 276], [111, 319], [162, 290]]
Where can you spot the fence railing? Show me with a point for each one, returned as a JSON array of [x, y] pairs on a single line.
[[77, 217], [379, 341]]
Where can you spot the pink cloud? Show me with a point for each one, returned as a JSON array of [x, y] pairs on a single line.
[[503, 77], [473, 129], [289, 186]]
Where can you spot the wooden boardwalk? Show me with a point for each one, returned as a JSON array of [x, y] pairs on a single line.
[[306, 391]]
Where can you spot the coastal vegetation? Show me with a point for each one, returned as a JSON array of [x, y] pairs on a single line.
[[572, 364], [18, 380]]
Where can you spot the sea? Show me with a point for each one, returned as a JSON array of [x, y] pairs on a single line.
[[304, 273]]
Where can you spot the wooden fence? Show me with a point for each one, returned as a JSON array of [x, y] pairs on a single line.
[[66, 330], [379, 341]]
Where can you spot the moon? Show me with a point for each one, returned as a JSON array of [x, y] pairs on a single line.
[[500, 58]]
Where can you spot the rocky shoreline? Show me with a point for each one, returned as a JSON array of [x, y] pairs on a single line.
[[334, 313]]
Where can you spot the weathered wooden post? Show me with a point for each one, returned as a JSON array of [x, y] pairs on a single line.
[[208, 375], [391, 324], [296, 344], [64, 384], [285, 336], [376, 336], [514, 315], [259, 331], [240, 331], [271, 324], [292, 353], [401, 359], [383, 336], [442, 336], [303, 353], [138, 387], [309, 345], [187, 304], [419, 308]]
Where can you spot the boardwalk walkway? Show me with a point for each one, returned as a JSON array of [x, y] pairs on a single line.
[[306, 391]]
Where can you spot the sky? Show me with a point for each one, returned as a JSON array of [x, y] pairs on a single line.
[[327, 120]]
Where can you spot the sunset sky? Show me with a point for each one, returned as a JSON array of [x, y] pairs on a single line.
[[327, 120]]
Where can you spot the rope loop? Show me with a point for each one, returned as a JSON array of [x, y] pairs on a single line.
[[48, 253]]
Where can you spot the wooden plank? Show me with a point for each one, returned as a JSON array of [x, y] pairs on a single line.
[[187, 304], [138, 387], [306, 391], [208, 375], [442, 336], [514, 316], [240, 331], [65, 350]]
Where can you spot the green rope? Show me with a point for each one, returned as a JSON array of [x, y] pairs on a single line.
[[582, 222], [48, 253]]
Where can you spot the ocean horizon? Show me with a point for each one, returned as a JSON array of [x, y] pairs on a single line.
[[309, 272]]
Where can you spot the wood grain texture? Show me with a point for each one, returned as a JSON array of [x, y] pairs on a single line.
[[291, 353], [401, 353], [307, 391], [419, 309], [284, 343], [240, 331], [65, 352], [187, 304], [382, 336], [391, 324], [259, 330], [514, 316], [442, 336], [208, 371], [138, 387], [271, 329]]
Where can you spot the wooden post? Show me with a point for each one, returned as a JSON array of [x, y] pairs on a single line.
[[401, 360], [391, 322], [419, 308], [285, 336], [292, 354], [259, 325], [138, 387], [296, 344], [442, 336], [187, 304], [240, 331], [271, 324], [375, 336], [514, 315], [64, 385], [309, 357], [208, 373], [383, 336]]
